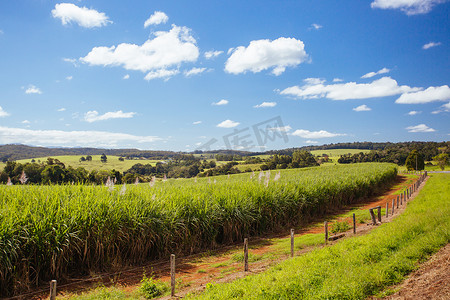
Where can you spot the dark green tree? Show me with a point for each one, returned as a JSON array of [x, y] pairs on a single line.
[[415, 161], [103, 158]]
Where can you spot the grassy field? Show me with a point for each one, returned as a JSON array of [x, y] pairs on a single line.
[[359, 267], [74, 161], [337, 152], [54, 230]]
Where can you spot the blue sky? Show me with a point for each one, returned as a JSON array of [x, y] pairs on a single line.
[[179, 75]]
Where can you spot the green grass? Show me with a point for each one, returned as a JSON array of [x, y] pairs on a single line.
[[112, 162], [50, 231], [358, 267], [337, 152]]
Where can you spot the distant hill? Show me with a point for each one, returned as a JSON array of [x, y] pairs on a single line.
[[17, 152]]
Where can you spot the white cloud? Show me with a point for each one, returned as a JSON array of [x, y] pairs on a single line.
[[315, 26], [158, 17], [338, 80], [265, 54], [93, 116], [69, 77], [194, 71], [420, 128], [26, 122], [33, 90], [431, 94], [443, 108], [430, 45], [410, 7], [61, 109], [311, 142], [73, 61], [83, 16], [382, 87], [372, 74], [414, 112], [1, 31], [212, 54], [197, 122], [127, 76], [167, 49], [3, 113], [228, 124], [221, 102], [265, 104], [315, 134], [161, 73], [281, 129], [69, 138], [362, 108]]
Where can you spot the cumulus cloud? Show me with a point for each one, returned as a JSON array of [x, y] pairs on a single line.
[[431, 94], [83, 16], [212, 54], [194, 71], [61, 109], [265, 104], [430, 45], [69, 138], [265, 54], [410, 7], [156, 18], [126, 76], [414, 112], [161, 73], [26, 122], [33, 90], [311, 142], [167, 49], [338, 80], [69, 77], [197, 122], [372, 74], [315, 134], [316, 88], [228, 124], [420, 128], [362, 108], [93, 116], [221, 102], [3, 113]]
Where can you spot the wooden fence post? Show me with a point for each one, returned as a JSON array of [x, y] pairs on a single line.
[[393, 203], [387, 209], [397, 201], [172, 274], [379, 213], [354, 224], [374, 221], [246, 254], [292, 242], [53, 290], [326, 231]]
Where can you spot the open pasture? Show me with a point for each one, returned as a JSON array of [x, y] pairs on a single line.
[[112, 162], [49, 232]]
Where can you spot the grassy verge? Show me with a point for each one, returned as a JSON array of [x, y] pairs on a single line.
[[358, 267]]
